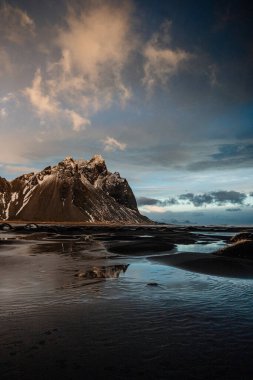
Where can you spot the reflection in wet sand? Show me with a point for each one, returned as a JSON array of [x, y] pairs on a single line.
[[73, 307], [81, 249], [112, 271], [95, 275], [32, 273]]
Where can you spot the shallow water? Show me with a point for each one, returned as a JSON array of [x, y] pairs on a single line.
[[213, 233], [201, 246], [153, 321]]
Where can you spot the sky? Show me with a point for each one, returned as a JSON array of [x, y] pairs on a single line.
[[163, 90]]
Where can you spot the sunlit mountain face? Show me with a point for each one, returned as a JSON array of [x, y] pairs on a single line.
[[163, 90], [72, 191]]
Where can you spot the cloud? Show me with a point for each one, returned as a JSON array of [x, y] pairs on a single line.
[[16, 25], [235, 197], [197, 200], [7, 98], [6, 66], [144, 201], [217, 217], [46, 103], [97, 37], [8, 103], [3, 113], [172, 155], [43, 103], [170, 202], [111, 144], [94, 47], [216, 197], [161, 60], [227, 156], [78, 121], [153, 208], [147, 201]]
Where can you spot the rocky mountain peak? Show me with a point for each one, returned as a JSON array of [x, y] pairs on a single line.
[[97, 159], [72, 190], [97, 162], [66, 168], [68, 158], [94, 169]]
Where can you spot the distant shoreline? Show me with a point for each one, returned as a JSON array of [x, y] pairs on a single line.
[[56, 223], [189, 228]]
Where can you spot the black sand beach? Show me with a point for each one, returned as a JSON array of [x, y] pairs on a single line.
[[123, 302]]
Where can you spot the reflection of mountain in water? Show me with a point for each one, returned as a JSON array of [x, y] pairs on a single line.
[[112, 271], [91, 249]]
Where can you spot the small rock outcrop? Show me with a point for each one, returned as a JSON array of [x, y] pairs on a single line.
[[73, 191]]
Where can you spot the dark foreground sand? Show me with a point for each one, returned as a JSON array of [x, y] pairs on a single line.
[[76, 303], [209, 264], [123, 340]]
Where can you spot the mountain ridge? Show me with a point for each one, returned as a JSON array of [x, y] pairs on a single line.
[[71, 191]]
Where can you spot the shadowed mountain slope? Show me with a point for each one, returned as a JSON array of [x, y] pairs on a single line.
[[73, 190]]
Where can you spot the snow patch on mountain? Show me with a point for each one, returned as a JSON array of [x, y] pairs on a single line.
[[72, 190]]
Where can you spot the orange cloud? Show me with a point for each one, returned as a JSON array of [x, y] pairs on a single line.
[[97, 40], [111, 144], [40, 100], [161, 61]]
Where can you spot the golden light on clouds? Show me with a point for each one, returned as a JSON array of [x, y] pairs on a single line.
[[97, 39]]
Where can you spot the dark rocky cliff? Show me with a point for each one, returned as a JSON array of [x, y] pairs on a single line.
[[73, 190]]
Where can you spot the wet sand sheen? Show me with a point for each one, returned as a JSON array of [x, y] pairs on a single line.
[[76, 308], [209, 264]]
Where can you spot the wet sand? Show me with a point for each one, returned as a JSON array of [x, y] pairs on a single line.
[[209, 264], [121, 302]]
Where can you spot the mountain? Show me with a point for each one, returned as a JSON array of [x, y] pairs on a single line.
[[73, 191]]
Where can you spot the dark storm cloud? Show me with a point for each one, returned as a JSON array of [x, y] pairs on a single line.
[[144, 201], [235, 197], [218, 198], [170, 202], [197, 200], [188, 155], [228, 156], [239, 151]]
